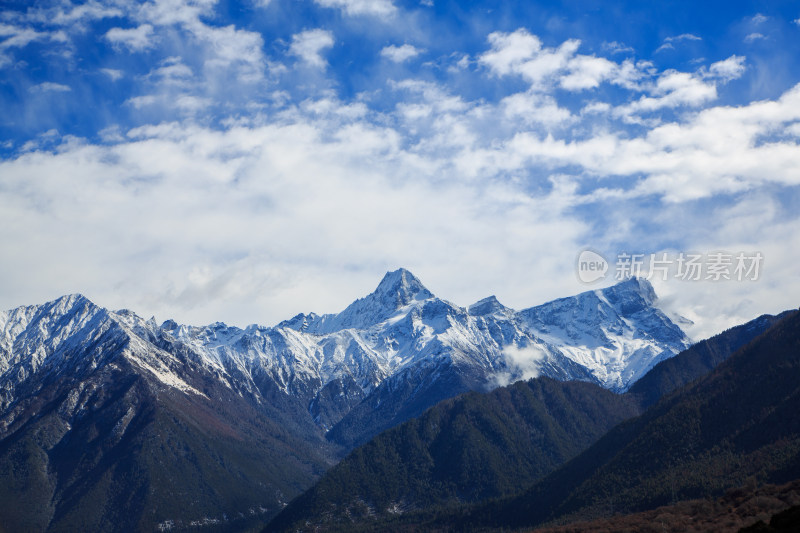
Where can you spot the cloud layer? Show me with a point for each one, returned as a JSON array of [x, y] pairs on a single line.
[[227, 172]]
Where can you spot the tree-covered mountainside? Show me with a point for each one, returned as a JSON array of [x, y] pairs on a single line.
[[696, 361], [466, 449], [126, 455], [738, 422], [746, 509], [477, 447]]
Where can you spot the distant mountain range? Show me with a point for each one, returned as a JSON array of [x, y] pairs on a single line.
[[109, 419]]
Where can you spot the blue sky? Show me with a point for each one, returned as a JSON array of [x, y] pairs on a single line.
[[246, 161]]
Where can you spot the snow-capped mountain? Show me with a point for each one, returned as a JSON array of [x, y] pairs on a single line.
[[108, 423], [612, 336], [100, 403], [618, 333]]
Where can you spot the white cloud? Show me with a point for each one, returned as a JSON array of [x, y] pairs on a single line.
[[114, 74], [755, 36], [136, 39], [228, 47], [111, 134], [521, 362], [758, 18], [308, 46], [668, 43], [629, 74], [237, 51], [171, 71], [52, 26], [717, 151], [141, 101], [233, 206], [742, 229], [399, 54], [522, 53], [20, 37], [73, 16], [50, 86], [17, 37], [232, 47], [534, 108], [239, 200], [672, 89], [377, 8], [525, 360], [91, 10], [683, 37], [728, 69], [192, 104], [510, 51], [175, 12], [301, 203], [596, 107], [682, 87], [432, 96], [615, 47], [587, 72]]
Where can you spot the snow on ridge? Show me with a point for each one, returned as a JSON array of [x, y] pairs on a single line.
[[618, 333], [397, 326]]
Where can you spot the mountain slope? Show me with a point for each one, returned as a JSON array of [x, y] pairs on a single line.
[[411, 392], [110, 437], [400, 350], [94, 403], [466, 449], [697, 360], [617, 333], [744, 509], [609, 336], [521, 433], [738, 421]]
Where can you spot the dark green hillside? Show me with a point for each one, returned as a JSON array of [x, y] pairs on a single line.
[[466, 449], [737, 423], [392, 403], [696, 361], [478, 446]]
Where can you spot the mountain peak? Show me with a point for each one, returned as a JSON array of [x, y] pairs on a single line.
[[631, 294], [70, 303], [71, 299], [609, 325], [396, 290], [487, 306], [403, 287], [637, 284]]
